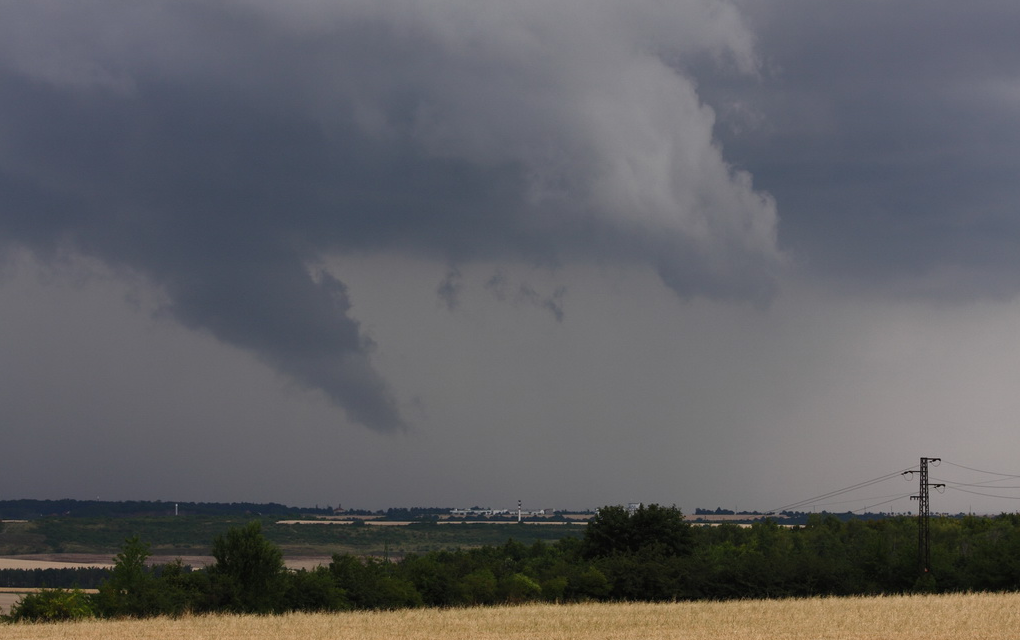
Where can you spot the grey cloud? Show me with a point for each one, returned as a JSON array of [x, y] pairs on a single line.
[[553, 303], [300, 327], [497, 285], [221, 149], [887, 133], [449, 289], [500, 286]]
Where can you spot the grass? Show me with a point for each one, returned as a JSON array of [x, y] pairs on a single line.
[[956, 617]]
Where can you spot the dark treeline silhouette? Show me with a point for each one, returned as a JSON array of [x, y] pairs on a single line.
[[82, 577], [415, 513], [650, 554], [33, 509]]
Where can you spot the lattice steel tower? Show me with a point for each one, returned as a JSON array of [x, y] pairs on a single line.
[[923, 514]]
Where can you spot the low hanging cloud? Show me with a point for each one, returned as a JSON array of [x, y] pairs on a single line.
[[220, 149]]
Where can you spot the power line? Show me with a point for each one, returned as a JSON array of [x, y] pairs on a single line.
[[893, 496], [837, 492], [978, 484], [985, 484], [824, 500], [988, 495], [991, 473], [879, 504]]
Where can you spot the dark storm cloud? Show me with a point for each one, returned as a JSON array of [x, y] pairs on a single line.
[[889, 134], [192, 196], [553, 303], [221, 149], [450, 288], [500, 287]]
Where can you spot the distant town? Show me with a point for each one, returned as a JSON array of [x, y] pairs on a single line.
[[30, 509]]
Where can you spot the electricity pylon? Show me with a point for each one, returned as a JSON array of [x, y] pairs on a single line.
[[923, 515]]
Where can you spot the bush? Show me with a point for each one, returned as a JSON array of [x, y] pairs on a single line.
[[518, 588], [52, 605]]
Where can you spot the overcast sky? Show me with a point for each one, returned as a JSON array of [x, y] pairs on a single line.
[[464, 252]]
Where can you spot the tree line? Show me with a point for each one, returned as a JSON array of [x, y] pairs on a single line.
[[84, 577], [28, 509], [649, 554]]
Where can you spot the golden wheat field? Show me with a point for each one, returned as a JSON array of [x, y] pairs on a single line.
[[956, 617]]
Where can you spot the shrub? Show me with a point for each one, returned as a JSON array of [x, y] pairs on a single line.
[[52, 605]]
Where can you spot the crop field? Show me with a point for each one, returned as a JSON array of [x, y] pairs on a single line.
[[952, 617]]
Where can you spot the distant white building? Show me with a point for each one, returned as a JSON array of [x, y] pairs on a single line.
[[495, 512]]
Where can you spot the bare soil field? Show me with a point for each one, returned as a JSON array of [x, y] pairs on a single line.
[[7, 600], [954, 617]]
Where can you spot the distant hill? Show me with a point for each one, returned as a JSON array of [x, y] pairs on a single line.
[[33, 509]]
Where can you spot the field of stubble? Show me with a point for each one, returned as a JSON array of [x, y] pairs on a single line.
[[954, 617]]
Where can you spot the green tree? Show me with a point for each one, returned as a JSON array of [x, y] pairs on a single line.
[[432, 579], [589, 584], [249, 572], [664, 527], [616, 530], [373, 584], [180, 589], [314, 591], [641, 552], [607, 533], [479, 587], [131, 589]]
